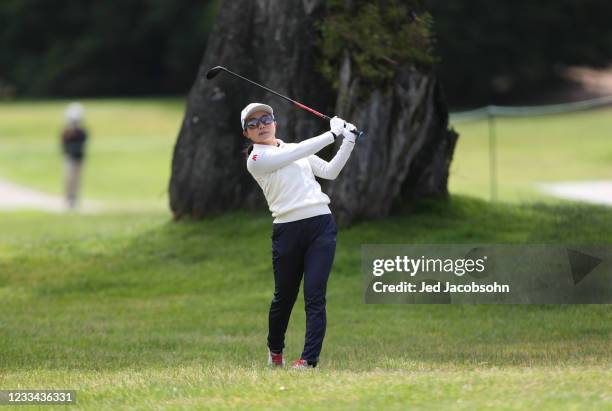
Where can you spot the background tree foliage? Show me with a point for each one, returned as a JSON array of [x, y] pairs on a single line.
[[379, 36], [509, 50], [484, 51], [111, 47]]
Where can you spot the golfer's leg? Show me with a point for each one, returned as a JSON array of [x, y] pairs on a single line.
[[318, 263], [287, 260]]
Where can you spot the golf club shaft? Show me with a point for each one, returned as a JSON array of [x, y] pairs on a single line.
[[296, 103], [313, 111]]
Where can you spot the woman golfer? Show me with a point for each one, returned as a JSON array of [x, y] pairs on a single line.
[[304, 230]]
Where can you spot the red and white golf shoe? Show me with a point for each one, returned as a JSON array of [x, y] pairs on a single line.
[[275, 360], [301, 365]]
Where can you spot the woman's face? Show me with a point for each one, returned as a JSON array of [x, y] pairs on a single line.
[[261, 134]]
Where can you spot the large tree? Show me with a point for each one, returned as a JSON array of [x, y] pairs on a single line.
[[324, 55]]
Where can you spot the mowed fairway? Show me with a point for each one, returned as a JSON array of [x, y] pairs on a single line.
[[532, 150], [135, 311]]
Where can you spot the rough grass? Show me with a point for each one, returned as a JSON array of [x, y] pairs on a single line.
[[135, 311]]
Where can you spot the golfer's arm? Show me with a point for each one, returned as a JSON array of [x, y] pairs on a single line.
[[330, 170], [268, 161]]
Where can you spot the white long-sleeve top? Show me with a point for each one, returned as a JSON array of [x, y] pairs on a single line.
[[286, 174]]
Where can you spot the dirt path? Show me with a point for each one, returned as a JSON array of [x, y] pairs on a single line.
[[16, 197]]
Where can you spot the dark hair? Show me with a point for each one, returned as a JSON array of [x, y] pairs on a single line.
[[247, 150]]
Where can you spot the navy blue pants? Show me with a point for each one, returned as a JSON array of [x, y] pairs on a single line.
[[303, 248]]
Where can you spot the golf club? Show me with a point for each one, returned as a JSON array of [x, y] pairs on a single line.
[[213, 72]]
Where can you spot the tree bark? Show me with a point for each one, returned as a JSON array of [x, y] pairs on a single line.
[[408, 150], [406, 154], [270, 42]]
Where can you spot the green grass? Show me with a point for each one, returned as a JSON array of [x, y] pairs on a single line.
[[137, 311], [128, 156], [530, 150]]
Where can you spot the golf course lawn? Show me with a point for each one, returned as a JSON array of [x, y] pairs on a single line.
[[533, 150], [135, 311]]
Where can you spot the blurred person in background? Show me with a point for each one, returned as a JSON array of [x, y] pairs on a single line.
[[74, 136]]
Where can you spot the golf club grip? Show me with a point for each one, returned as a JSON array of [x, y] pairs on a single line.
[[312, 110], [358, 133]]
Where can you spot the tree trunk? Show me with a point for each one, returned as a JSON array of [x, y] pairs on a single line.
[[270, 42], [408, 150], [406, 154]]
